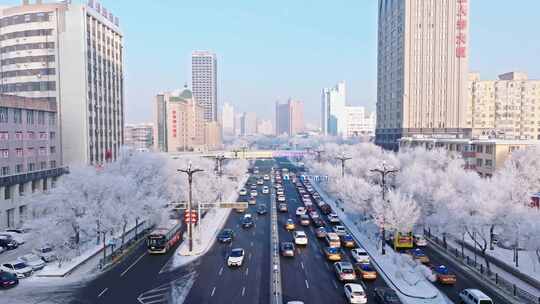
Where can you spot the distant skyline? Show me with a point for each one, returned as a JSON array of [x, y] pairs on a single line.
[[273, 50]]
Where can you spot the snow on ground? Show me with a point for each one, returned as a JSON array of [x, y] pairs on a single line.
[[204, 238], [401, 271]]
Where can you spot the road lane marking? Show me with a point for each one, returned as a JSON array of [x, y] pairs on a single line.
[[251, 244], [102, 292], [327, 266], [247, 271], [253, 233], [243, 291], [213, 291], [136, 261], [307, 284], [159, 295], [302, 265], [220, 271], [335, 285], [249, 257]]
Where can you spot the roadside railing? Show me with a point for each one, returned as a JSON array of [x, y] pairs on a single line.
[[115, 249], [276, 296], [488, 275]]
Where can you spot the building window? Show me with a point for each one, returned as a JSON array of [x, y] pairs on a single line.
[[30, 135], [41, 117], [31, 167], [42, 151], [3, 114], [42, 135], [52, 135], [7, 192], [479, 162], [19, 168], [489, 163], [19, 152], [4, 153], [34, 186], [21, 189], [29, 117], [18, 135], [17, 116], [52, 119], [4, 135], [53, 164], [5, 171], [52, 150], [43, 165]]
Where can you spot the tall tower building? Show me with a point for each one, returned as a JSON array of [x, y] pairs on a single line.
[[71, 55], [282, 118], [422, 69], [296, 116], [227, 119], [249, 124], [204, 82], [333, 115]]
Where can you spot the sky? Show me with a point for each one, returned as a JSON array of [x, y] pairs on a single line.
[[273, 50]]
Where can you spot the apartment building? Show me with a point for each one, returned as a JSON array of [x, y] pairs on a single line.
[[204, 82], [506, 108], [333, 115], [359, 122], [139, 137], [483, 155]]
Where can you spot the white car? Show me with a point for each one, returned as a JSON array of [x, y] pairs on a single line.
[[236, 257], [420, 241], [20, 269], [253, 193], [300, 238], [340, 230], [265, 190], [360, 255], [344, 271], [280, 192], [266, 177], [355, 293], [281, 198], [17, 237], [242, 191], [33, 261], [333, 218], [46, 253], [473, 296], [260, 182], [301, 211]]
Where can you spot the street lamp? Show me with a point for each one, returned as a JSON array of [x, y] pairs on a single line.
[[384, 172], [189, 171], [343, 159], [219, 164]]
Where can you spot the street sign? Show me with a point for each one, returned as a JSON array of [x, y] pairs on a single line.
[[190, 217], [177, 206], [234, 205]]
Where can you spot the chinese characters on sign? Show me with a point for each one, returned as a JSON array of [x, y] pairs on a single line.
[[461, 29], [174, 123]]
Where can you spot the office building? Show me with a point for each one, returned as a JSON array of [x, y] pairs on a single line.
[[249, 124], [228, 119], [204, 82], [180, 124], [139, 137], [282, 118], [422, 69], [506, 108], [333, 115], [360, 123], [238, 124]]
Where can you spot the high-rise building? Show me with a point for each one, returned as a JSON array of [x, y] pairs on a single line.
[[282, 118], [333, 116], [139, 136], [238, 124], [228, 119], [507, 108], [249, 124], [296, 117], [359, 122], [204, 82], [422, 69], [265, 127], [180, 124]]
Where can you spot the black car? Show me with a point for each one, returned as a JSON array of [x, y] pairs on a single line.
[[8, 280], [386, 295], [247, 222], [318, 222], [225, 236], [8, 244], [261, 210]]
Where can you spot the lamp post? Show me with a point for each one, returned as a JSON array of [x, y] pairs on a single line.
[[190, 171], [343, 159], [384, 171], [219, 164]]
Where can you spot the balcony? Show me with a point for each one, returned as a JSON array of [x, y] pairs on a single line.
[[15, 179]]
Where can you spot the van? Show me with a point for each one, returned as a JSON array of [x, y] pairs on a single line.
[[332, 239], [474, 296]]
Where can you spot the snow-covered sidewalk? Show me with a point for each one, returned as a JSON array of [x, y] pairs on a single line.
[[400, 272], [204, 238]]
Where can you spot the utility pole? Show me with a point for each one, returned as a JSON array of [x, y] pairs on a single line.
[[189, 171], [384, 172], [319, 155], [343, 159]]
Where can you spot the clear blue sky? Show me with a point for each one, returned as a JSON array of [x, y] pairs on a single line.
[[271, 50]]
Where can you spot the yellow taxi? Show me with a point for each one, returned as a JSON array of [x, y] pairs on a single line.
[[332, 253], [289, 225], [366, 271]]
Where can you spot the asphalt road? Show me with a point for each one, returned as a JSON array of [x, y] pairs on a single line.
[[141, 278], [308, 276]]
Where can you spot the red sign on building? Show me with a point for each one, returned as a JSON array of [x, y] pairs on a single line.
[[461, 28]]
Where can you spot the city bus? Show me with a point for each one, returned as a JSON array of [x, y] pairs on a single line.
[[403, 240], [164, 236]]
